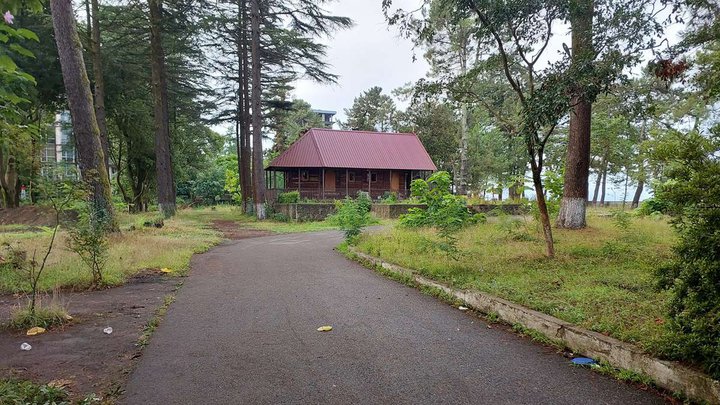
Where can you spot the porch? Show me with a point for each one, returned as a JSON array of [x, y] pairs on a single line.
[[333, 184]]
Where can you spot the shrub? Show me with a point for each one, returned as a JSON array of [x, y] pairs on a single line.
[[446, 212], [692, 195], [364, 201], [89, 239], [291, 197], [390, 198], [621, 219], [651, 206], [279, 217], [351, 216]]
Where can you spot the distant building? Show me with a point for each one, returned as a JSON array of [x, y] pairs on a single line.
[[59, 150], [326, 163], [327, 117]]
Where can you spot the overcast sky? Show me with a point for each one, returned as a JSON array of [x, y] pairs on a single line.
[[369, 54]]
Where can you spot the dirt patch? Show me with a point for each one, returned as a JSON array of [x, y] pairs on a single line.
[[231, 230], [80, 352], [33, 216]]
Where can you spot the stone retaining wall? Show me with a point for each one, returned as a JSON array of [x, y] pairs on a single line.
[[306, 212], [319, 211]]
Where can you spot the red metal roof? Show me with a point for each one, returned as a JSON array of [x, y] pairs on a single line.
[[356, 150]]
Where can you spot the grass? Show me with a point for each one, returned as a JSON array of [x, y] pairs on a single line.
[[154, 322], [45, 316], [601, 279], [135, 248], [25, 392]]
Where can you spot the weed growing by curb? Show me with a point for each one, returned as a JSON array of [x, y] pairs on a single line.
[[154, 322]]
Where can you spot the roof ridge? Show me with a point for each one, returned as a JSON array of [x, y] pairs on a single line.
[[366, 132], [317, 147]]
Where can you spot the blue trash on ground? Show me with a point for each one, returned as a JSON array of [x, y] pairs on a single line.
[[583, 361]]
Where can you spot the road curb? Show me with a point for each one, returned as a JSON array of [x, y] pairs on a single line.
[[670, 375]]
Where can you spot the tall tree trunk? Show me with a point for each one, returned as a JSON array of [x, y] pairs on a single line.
[[97, 65], [91, 159], [245, 156], [163, 161], [9, 181], [258, 177], [627, 177], [515, 191], [597, 188], [577, 165], [604, 182], [638, 193], [462, 171]]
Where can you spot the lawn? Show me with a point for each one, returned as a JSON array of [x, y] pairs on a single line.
[[135, 248], [601, 279]]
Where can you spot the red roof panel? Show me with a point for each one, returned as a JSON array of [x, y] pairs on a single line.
[[356, 150]]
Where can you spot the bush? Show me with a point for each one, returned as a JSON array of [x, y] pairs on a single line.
[[651, 206], [390, 198], [351, 216], [692, 195], [291, 197], [364, 201], [446, 212], [89, 239], [279, 217]]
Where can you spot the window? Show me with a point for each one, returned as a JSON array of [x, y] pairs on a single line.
[[373, 177], [304, 175], [351, 176]]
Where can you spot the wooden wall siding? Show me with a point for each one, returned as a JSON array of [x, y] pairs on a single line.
[[336, 183]]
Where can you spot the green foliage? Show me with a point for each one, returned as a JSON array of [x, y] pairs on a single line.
[[390, 198], [15, 392], [622, 219], [371, 111], [446, 212], [42, 315], [291, 197], [352, 216], [651, 206], [692, 193], [364, 201], [89, 239]]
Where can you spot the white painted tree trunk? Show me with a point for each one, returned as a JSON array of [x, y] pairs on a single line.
[[572, 213]]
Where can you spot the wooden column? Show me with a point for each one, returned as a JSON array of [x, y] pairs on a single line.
[[391, 190], [298, 180], [347, 183], [369, 185], [323, 183]]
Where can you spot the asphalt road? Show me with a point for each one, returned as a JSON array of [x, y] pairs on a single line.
[[243, 331]]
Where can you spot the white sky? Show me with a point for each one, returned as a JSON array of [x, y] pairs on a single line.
[[373, 54], [369, 54]]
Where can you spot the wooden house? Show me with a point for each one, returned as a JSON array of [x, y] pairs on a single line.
[[332, 164]]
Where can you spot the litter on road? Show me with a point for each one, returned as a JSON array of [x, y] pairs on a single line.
[[108, 330], [324, 329], [25, 347], [35, 331], [583, 361]]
